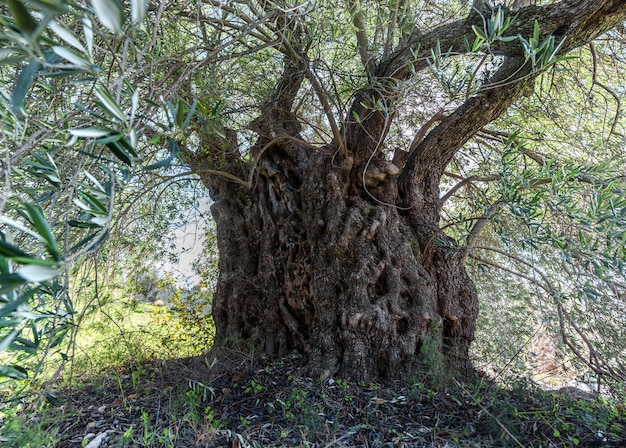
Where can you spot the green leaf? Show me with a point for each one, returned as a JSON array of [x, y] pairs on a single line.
[[23, 20], [90, 132], [39, 221], [21, 227], [10, 251], [26, 345], [72, 56], [45, 168], [35, 261], [64, 33], [100, 221], [192, 110], [134, 104], [11, 307], [94, 181], [14, 372], [88, 32], [119, 152], [9, 282], [96, 206], [37, 274], [180, 113], [111, 138], [22, 85], [82, 224], [138, 10], [480, 33], [52, 6], [110, 13], [128, 146], [109, 104], [174, 151], [85, 240]]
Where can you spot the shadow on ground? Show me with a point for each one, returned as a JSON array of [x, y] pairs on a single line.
[[241, 402]]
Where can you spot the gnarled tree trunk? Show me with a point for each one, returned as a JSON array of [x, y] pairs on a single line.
[[308, 265], [336, 252]]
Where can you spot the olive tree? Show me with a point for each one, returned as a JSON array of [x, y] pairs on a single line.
[[338, 142]]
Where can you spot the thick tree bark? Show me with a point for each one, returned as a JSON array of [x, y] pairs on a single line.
[[342, 259], [307, 266]]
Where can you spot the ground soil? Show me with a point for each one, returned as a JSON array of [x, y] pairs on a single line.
[[241, 401]]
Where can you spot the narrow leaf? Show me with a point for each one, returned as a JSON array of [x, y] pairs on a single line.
[[90, 132], [71, 56], [94, 181], [192, 110], [21, 227], [38, 274], [174, 151], [99, 220], [88, 32], [39, 221], [180, 113], [536, 31], [81, 224], [119, 152], [134, 105], [109, 103], [13, 372], [64, 33], [10, 251], [22, 85], [24, 21], [138, 10], [109, 13]]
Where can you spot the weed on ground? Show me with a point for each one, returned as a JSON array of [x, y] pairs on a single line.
[[243, 402]]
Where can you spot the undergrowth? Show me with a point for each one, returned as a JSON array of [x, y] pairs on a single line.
[[132, 383], [240, 401]]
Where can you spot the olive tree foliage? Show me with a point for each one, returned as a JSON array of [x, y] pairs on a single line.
[[556, 236], [72, 124], [98, 96]]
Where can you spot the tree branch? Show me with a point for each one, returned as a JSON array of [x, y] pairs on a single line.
[[464, 182], [426, 164], [572, 22], [581, 21], [358, 20], [618, 109], [479, 226]]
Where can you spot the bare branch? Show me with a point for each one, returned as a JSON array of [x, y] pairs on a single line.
[[618, 109], [479, 226], [439, 116], [321, 96], [466, 181], [426, 164]]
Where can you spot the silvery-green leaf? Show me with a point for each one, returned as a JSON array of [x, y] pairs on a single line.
[[35, 273], [109, 13], [110, 104], [134, 104], [90, 132], [64, 33], [99, 220], [88, 31], [71, 56], [138, 10]]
